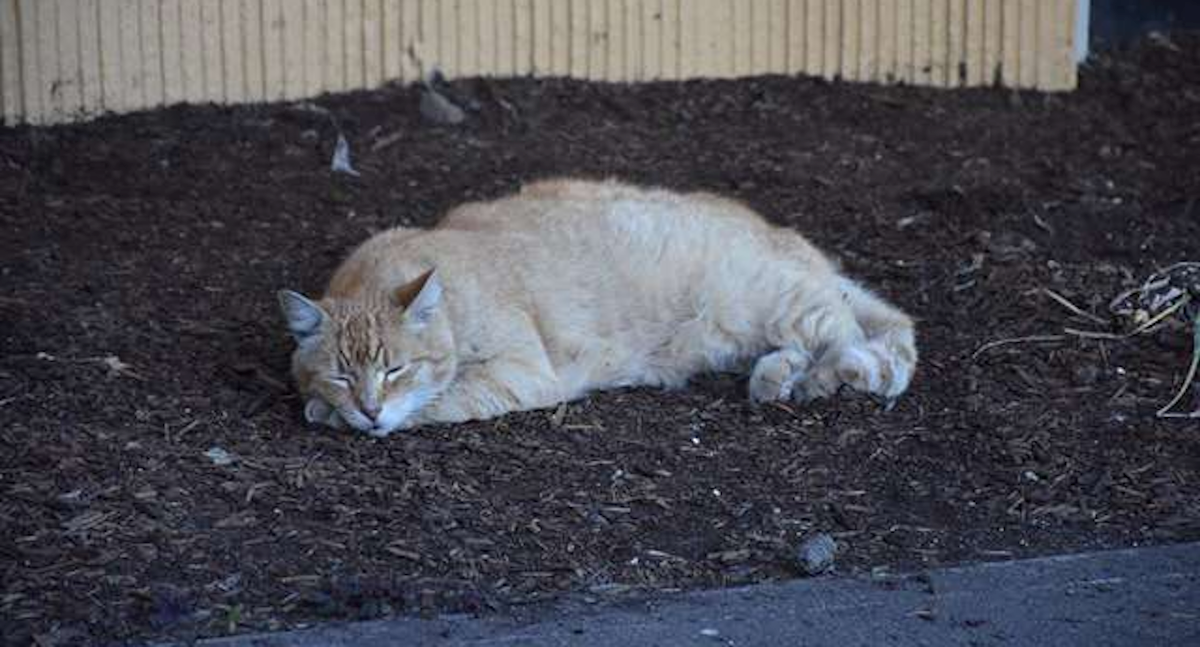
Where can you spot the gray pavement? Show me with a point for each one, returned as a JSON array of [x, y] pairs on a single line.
[[1148, 596]]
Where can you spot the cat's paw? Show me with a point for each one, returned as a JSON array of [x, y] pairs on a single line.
[[319, 412], [880, 366], [776, 374]]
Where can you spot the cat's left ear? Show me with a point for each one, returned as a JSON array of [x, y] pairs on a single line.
[[304, 318], [419, 298]]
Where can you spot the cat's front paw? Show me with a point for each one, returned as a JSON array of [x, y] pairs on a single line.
[[319, 412], [776, 374]]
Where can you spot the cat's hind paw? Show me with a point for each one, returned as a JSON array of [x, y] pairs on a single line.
[[880, 366]]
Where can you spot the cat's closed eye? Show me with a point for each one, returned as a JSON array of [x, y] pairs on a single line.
[[341, 380], [397, 372]]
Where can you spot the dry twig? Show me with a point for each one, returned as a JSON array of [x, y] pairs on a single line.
[[1032, 339]]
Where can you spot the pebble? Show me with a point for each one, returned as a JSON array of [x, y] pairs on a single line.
[[219, 456], [816, 554], [440, 110]]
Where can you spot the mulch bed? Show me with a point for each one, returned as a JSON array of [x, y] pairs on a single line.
[[140, 255]]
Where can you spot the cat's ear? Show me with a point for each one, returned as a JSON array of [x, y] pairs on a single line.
[[304, 318], [419, 298]]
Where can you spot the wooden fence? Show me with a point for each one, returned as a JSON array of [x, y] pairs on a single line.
[[64, 60]]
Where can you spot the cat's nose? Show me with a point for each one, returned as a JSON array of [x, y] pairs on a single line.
[[372, 411]]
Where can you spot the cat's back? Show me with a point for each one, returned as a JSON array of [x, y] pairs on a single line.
[[572, 229], [605, 208]]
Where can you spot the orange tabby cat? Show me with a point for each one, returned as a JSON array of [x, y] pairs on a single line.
[[573, 286]]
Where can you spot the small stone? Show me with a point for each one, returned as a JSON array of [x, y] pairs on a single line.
[[219, 456], [816, 554], [710, 633], [440, 110]]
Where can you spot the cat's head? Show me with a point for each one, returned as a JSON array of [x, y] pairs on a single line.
[[371, 363]]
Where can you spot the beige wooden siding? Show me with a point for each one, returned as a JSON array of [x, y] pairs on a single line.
[[62, 60]]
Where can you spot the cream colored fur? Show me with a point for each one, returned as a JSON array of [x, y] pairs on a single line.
[[573, 286]]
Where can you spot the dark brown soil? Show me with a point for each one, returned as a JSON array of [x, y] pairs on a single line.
[[140, 255]]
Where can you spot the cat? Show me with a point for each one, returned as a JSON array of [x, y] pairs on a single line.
[[572, 286]]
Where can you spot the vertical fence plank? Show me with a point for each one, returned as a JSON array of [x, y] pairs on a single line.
[[522, 37], [671, 39], [192, 49], [47, 43], [411, 62], [45, 38], [233, 54], [886, 52], [393, 51], [814, 33], [597, 38], [906, 65], [372, 31], [430, 53], [778, 36], [146, 58], [922, 41], [252, 44], [721, 44], [794, 39], [333, 68], [503, 32], [560, 37], [312, 57], [974, 41], [12, 107], [449, 37], [576, 23], [849, 35], [134, 63], [1068, 70], [272, 26], [70, 65], [543, 58], [760, 36], [212, 66], [468, 38], [67, 34], [171, 55], [939, 50], [993, 41], [31, 95], [741, 29], [1027, 58], [868, 55], [109, 44], [352, 41], [956, 62], [1045, 35], [957, 31], [614, 17], [484, 16], [89, 57], [652, 39], [1010, 43], [291, 35], [10, 70], [832, 37], [634, 46]]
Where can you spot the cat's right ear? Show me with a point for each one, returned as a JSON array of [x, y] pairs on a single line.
[[304, 318]]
